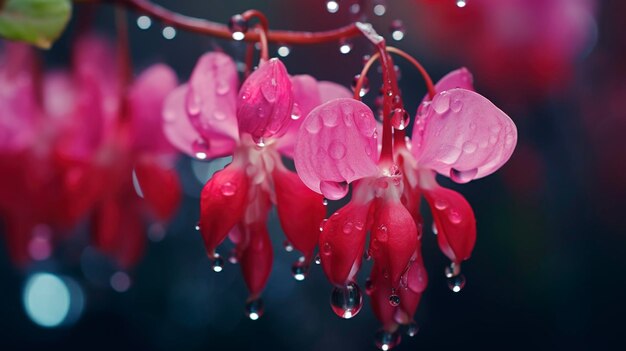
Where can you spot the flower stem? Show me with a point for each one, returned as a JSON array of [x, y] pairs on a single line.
[[263, 29]]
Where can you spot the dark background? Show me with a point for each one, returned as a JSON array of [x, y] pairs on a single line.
[[547, 271]]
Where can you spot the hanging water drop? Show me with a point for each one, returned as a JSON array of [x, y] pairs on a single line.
[[323, 222], [218, 264], [365, 85], [283, 51], [379, 8], [318, 259], [334, 190], [385, 340], [462, 177], [238, 27], [325, 201], [461, 3], [452, 270], [299, 271], [394, 300], [197, 227], [287, 246], [456, 283], [232, 258], [144, 22], [332, 6], [345, 46], [399, 118], [200, 149], [412, 329], [397, 30], [168, 32], [346, 302], [254, 309], [434, 228]]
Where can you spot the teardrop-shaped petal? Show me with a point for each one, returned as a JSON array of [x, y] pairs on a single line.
[[463, 135], [455, 221], [459, 78], [379, 291], [181, 133], [416, 281], [145, 98], [393, 239], [336, 146], [222, 205], [342, 242], [265, 101], [255, 255], [300, 210], [159, 185], [212, 96]]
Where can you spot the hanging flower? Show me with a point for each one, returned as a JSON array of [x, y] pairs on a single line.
[[458, 133], [209, 117]]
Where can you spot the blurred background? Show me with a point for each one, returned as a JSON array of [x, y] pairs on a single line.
[[547, 269]]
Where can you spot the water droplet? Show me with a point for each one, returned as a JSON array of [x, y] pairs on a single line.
[[327, 249], [217, 264], [254, 309], [323, 222], [329, 117], [334, 190], [313, 125], [222, 87], [454, 216], [358, 225], [318, 259], [412, 329], [144, 22], [197, 227], [346, 302], [369, 286], [469, 147], [434, 228], [287, 245], [380, 9], [449, 154], [269, 93], [462, 177], [332, 6], [232, 257], [260, 142], [456, 283], [347, 227], [345, 46], [295, 112], [495, 128], [336, 150], [168, 32], [200, 148], [441, 103], [385, 340], [238, 26], [397, 30], [452, 270], [456, 105], [399, 118], [441, 204], [394, 300], [365, 85], [461, 3], [283, 51], [299, 271], [228, 189], [381, 233]]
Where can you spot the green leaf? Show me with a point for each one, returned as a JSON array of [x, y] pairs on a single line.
[[39, 22]]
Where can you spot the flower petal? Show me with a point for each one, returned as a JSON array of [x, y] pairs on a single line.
[[336, 145], [181, 133], [145, 98], [265, 101], [342, 242], [159, 185], [463, 135], [211, 99], [299, 209], [455, 221], [255, 255], [331, 91], [222, 205], [379, 291], [459, 78]]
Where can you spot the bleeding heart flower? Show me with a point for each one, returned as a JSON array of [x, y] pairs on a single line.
[[458, 133], [207, 118]]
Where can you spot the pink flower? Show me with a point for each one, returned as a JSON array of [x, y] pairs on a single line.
[[458, 133], [209, 117]]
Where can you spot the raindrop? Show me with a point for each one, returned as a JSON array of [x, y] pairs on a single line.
[[318, 259], [325, 202], [412, 329], [454, 216], [238, 26], [346, 302], [144, 22], [269, 93], [452, 270], [399, 118], [295, 112], [469, 147], [334, 190], [218, 264], [347, 227], [461, 3], [222, 88], [260, 142], [462, 177], [299, 271], [441, 103], [254, 309], [456, 105], [200, 148], [323, 222], [380, 8], [385, 340], [345, 46], [394, 300], [441, 204], [283, 51], [228, 189], [332, 6], [336, 150], [365, 85], [397, 30], [287, 245], [327, 249], [168, 32], [456, 283]]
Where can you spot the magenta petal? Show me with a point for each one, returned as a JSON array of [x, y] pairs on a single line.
[[336, 145], [459, 78], [463, 135], [331, 90], [256, 256], [212, 96], [146, 97], [265, 101]]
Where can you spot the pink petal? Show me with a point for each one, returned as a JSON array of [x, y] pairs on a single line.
[[299, 209], [255, 256], [393, 240], [336, 145], [459, 78], [331, 91], [455, 221], [179, 131], [342, 242], [222, 205], [265, 101], [146, 98], [212, 96], [463, 135], [160, 187]]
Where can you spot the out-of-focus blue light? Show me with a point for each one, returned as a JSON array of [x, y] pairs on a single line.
[[46, 299]]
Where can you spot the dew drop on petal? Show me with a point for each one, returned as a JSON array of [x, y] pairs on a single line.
[[394, 300], [323, 223], [269, 93], [385, 340], [441, 104], [295, 112], [299, 271], [441, 204], [222, 87], [456, 105], [334, 190], [412, 329], [313, 125], [399, 118], [346, 301], [336, 150], [330, 118], [456, 283], [228, 189], [347, 227], [254, 309], [469, 147], [327, 249], [454, 216], [463, 176]]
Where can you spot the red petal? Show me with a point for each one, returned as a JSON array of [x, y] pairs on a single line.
[[393, 239], [222, 205], [300, 210], [379, 295], [255, 254], [455, 221], [160, 187], [342, 242]]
